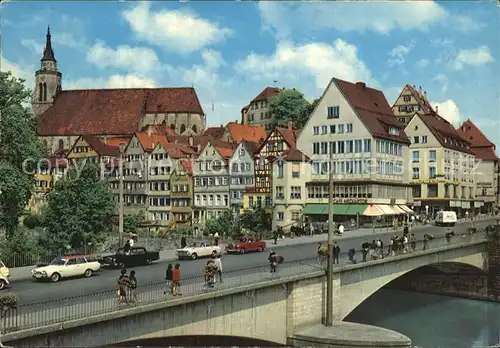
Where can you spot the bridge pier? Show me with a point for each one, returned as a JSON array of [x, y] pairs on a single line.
[[493, 249]]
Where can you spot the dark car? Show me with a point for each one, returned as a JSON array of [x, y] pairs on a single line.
[[137, 256]]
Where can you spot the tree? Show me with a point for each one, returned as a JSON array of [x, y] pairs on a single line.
[[224, 224], [20, 150], [132, 221], [313, 105], [31, 221], [256, 220], [78, 210], [290, 104]]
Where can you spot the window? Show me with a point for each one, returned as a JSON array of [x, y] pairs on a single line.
[[340, 129], [280, 192], [432, 156], [367, 145], [281, 216], [324, 129], [333, 129], [349, 146], [315, 168], [270, 147], [333, 112], [432, 172], [340, 147], [316, 148], [406, 98], [415, 140], [280, 146], [250, 201], [357, 146], [394, 131], [295, 215], [315, 130], [324, 148], [268, 201], [280, 169], [416, 173], [424, 139], [348, 128], [295, 192], [416, 156], [295, 170]]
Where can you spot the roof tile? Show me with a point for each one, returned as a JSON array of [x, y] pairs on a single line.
[[445, 133], [266, 94], [240, 132]]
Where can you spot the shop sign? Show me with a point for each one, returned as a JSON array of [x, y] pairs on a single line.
[[350, 201]]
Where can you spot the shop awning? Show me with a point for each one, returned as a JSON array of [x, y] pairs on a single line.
[[373, 210], [355, 209], [315, 209], [387, 209], [398, 209], [406, 209], [340, 209]]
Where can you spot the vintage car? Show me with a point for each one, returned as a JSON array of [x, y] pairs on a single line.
[[4, 276], [195, 251], [138, 256], [245, 244], [67, 267]]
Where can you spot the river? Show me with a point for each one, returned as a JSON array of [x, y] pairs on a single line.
[[432, 320]]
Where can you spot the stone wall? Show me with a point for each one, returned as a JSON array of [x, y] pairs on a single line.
[[493, 249]]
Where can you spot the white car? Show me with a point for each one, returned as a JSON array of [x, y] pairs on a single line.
[[193, 252], [67, 267]]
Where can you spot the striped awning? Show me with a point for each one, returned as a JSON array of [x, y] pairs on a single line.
[[406, 209], [398, 209], [387, 209], [373, 210]]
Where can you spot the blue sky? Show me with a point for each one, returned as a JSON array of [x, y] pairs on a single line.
[[229, 51]]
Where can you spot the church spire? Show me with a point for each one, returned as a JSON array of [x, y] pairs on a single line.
[[48, 52]]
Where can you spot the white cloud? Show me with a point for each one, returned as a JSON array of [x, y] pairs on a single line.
[[35, 47], [319, 61], [113, 81], [17, 70], [443, 81], [124, 57], [178, 30], [282, 18], [449, 111], [473, 57], [398, 54], [423, 63], [68, 39]]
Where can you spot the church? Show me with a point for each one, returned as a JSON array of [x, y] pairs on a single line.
[[64, 115]]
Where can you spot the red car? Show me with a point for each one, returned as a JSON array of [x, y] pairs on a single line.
[[245, 244]]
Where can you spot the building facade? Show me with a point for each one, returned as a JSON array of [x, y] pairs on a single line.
[[290, 174], [211, 183], [241, 173], [353, 132], [442, 165], [486, 168], [258, 112], [409, 102], [181, 183]]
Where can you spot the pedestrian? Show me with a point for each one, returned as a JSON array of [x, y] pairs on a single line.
[[273, 261], [381, 247], [426, 240], [131, 241], [176, 280], [127, 247], [364, 249], [341, 228], [373, 249], [351, 254], [218, 263], [405, 244], [122, 285], [216, 238], [336, 253], [413, 242], [133, 286], [183, 241], [275, 237], [168, 280]]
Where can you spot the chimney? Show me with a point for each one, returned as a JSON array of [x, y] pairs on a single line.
[[150, 130], [191, 141], [361, 84], [437, 109], [420, 90], [198, 148], [153, 145], [105, 140], [425, 95], [289, 124]]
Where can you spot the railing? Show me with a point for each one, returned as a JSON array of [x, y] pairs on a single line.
[[61, 310]]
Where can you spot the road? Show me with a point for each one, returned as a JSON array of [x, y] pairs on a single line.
[[30, 291]]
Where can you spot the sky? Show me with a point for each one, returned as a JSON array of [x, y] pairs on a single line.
[[230, 51]]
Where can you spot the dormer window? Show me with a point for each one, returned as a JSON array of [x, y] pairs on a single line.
[[393, 130]]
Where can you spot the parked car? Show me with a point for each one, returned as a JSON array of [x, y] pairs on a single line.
[[195, 251], [67, 267], [246, 244], [4, 276], [138, 256]]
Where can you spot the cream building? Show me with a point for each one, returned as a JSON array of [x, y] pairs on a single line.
[[355, 125], [257, 112], [409, 101], [290, 173], [442, 165]]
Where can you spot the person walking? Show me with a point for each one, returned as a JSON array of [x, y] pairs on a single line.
[[132, 287], [168, 280], [122, 285], [364, 249], [336, 253], [127, 247], [216, 238], [413, 242], [341, 229], [273, 261], [183, 241], [176, 280], [218, 263]]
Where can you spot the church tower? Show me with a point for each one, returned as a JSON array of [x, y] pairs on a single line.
[[47, 80]]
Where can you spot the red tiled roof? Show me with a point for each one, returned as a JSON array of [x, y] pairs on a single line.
[[240, 132], [215, 132], [421, 99], [199, 140], [251, 147], [445, 133], [115, 141], [266, 94], [225, 152], [112, 111], [100, 147], [373, 110], [187, 164], [288, 135], [291, 155], [149, 141], [485, 153], [471, 133]]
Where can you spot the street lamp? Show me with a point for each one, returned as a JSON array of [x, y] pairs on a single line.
[[426, 212], [121, 203], [329, 269]]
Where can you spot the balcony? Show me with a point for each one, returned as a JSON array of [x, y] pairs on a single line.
[[184, 209], [158, 192]]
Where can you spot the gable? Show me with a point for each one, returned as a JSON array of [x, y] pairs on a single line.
[[417, 127], [75, 151], [210, 153], [134, 146]]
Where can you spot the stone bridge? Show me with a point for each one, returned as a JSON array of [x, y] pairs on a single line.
[[276, 310]]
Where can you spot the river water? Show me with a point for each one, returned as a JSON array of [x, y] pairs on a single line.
[[432, 320]]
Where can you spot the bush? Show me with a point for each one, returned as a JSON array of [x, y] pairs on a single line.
[[8, 300], [31, 221], [21, 249]]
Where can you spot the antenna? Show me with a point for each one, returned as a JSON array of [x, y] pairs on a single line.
[[213, 106], [275, 82]]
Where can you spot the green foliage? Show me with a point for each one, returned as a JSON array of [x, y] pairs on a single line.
[[313, 105], [224, 224], [290, 104], [20, 150], [187, 230], [256, 220], [31, 221], [22, 249], [79, 209], [8, 300], [132, 221]]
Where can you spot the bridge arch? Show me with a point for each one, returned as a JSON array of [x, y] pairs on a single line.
[[358, 284], [199, 341]]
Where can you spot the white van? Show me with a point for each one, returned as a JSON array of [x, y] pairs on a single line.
[[446, 218]]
